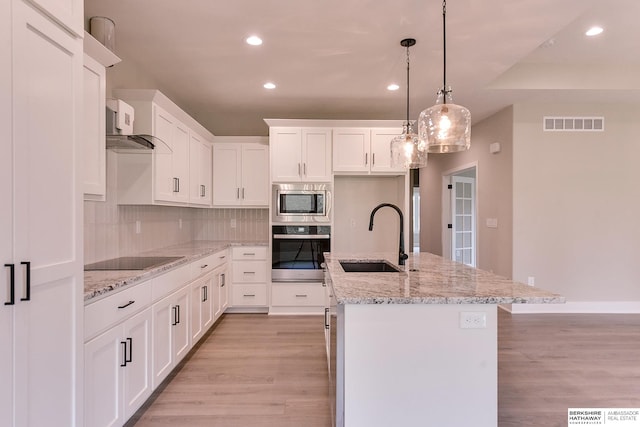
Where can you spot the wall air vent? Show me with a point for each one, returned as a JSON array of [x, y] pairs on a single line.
[[573, 124]]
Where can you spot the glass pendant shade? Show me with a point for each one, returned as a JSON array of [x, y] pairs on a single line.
[[445, 127], [407, 151]]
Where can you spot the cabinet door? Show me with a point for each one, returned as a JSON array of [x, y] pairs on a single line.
[[381, 149], [316, 155], [286, 154], [93, 143], [137, 373], [47, 102], [255, 175], [181, 338], [162, 318], [103, 357], [226, 174], [198, 299], [224, 290], [180, 162], [195, 152], [206, 173], [6, 221], [69, 13], [163, 125], [351, 150], [206, 313]]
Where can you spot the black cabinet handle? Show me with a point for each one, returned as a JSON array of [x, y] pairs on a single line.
[[203, 191], [175, 315], [204, 293], [28, 290], [248, 295], [127, 304], [178, 311], [124, 353], [176, 185], [326, 320], [204, 266], [130, 358], [223, 280], [12, 284]]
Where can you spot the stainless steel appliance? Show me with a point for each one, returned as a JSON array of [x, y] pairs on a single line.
[[301, 203], [297, 252]]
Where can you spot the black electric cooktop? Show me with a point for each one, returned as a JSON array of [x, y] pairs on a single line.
[[130, 263]]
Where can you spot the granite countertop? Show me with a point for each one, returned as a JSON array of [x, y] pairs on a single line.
[[98, 284], [428, 279]]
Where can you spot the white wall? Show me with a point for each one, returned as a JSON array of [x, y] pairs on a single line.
[[576, 203], [494, 191], [354, 199]]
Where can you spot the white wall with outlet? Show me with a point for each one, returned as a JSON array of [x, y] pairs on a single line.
[[354, 198]]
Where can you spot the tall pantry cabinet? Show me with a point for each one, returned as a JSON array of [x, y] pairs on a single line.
[[41, 213]]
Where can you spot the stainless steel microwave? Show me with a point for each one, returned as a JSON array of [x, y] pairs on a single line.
[[301, 203]]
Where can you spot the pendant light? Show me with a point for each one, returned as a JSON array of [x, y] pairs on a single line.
[[445, 127], [406, 150]]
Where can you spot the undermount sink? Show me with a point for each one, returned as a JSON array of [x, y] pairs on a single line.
[[368, 267]]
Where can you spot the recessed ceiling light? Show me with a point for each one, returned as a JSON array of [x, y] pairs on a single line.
[[393, 86], [594, 31], [254, 40], [269, 85]]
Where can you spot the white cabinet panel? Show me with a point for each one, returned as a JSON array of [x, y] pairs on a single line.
[[180, 162], [298, 294], [351, 149], [240, 174], [381, 149], [47, 102], [69, 13], [93, 122], [137, 372], [244, 295], [164, 124], [200, 165], [300, 154]]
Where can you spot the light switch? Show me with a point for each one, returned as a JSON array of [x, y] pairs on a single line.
[[492, 222]]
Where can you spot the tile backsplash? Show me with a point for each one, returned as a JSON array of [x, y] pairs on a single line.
[[111, 231]]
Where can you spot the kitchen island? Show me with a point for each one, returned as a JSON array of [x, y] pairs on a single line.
[[418, 347]]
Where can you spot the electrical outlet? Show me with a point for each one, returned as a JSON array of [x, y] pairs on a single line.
[[473, 320], [531, 281], [138, 226], [353, 223], [233, 223]]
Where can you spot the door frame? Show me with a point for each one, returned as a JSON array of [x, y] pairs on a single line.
[[446, 217]]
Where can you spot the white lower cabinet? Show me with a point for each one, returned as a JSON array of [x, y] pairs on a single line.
[[170, 333], [297, 298], [250, 276], [220, 281], [203, 296], [118, 372]]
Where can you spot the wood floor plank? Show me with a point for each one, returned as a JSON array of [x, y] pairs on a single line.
[[265, 371]]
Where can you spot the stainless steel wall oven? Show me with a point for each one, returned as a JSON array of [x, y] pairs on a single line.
[[297, 252]]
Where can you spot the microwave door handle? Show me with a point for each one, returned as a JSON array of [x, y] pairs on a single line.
[[301, 236]]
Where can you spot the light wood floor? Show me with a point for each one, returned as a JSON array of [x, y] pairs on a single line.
[[256, 370]]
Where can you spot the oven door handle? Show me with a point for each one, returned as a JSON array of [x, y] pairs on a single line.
[[301, 236]]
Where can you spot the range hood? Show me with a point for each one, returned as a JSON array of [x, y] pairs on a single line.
[[119, 129]]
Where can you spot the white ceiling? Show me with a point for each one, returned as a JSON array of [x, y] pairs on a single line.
[[333, 59]]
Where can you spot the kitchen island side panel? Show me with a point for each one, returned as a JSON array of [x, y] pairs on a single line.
[[413, 365]]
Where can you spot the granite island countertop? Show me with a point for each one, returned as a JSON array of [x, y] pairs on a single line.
[[428, 279], [97, 284]]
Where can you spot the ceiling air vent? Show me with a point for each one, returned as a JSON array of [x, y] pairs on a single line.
[[573, 124]]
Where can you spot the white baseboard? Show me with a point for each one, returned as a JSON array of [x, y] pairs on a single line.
[[591, 307]]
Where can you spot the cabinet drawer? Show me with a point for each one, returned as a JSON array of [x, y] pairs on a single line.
[[168, 282], [208, 263], [115, 308], [249, 252], [249, 271], [297, 294], [249, 295]]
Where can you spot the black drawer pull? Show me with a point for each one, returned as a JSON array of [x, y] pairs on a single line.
[[127, 304], [130, 359], [124, 353], [178, 321], [12, 284], [204, 266], [249, 254], [249, 295], [249, 272], [174, 322], [301, 295], [28, 290]]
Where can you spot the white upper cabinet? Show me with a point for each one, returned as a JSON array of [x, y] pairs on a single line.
[[300, 154], [40, 220], [364, 150], [240, 174], [200, 169], [162, 175], [67, 13], [96, 58]]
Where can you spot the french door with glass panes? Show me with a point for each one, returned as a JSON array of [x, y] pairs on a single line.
[[463, 241]]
